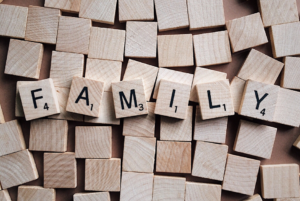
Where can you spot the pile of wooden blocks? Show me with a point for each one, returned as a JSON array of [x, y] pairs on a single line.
[[90, 90]]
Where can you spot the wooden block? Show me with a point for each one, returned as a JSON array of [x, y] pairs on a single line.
[[280, 181], [13, 21], [2, 119], [167, 159], [39, 99], [64, 5], [93, 142], [102, 174], [212, 48], [175, 50], [129, 98], [297, 143], [4, 196], [31, 193], [202, 192], [288, 199], [246, 32], [255, 139], [42, 24], [215, 99], [85, 96], [17, 168], [136, 10], [104, 71], [99, 196], [237, 87], [209, 160], [107, 44], [136, 70], [24, 59], [68, 26], [290, 75], [240, 174], [19, 112], [176, 129], [60, 170], [254, 198], [64, 66], [48, 135]]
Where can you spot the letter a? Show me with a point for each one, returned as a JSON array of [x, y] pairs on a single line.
[[84, 90]]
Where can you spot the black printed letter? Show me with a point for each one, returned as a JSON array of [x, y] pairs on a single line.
[[35, 98], [172, 98], [211, 106], [85, 89], [132, 95], [259, 100]]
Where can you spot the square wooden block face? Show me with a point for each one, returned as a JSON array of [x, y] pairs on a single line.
[[28, 193], [136, 10], [167, 159], [241, 174], [66, 42], [175, 50], [289, 78], [255, 198], [168, 188], [24, 59], [4, 195], [19, 112], [280, 181], [237, 87], [64, 5], [60, 170], [202, 192], [102, 174], [99, 196], [246, 32], [255, 139]]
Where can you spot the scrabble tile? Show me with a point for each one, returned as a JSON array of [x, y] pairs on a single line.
[[13, 21], [24, 59], [237, 87], [175, 50], [104, 71], [64, 66], [246, 32], [240, 174], [177, 129], [4, 195], [171, 14], [212, 48], [99, 11], [107, 44], [280, 181], [136, 10], [297, 143], [102, 174], [287, 199], [99, 196], [136, 186], [255, 139], [64, 5], [42, 24], [290, 75], [48, 135], [254, 198], [30, 193], [93, 142], [19, 112], [85, 96], [2, 120], [215, 99], [17, 168], [39, 99], [167, 159], [136, 70], [129, 98], [60, 170], [209, 160], [68, 26], [202, 191]]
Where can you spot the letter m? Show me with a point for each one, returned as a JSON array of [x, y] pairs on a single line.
[[123, 98]]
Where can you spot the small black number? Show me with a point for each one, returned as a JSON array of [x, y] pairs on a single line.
[[92, 106], [224, 107], [176, 109], [141, 107], [263, 112], [46, 106]]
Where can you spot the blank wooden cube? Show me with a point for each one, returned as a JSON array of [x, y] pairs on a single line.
[[19, 112], [254, 198], [202, 192], [2, 120], [17, 168], [99, 196], [168, 188], [241, 174], [246, 32], [30, 193], [24, 59], [255, 139], [64, 5], [4, 195], [291, 74], [136, 10], [168, 160], [60, 170], [42, 24], [102, 174], [237, 87]]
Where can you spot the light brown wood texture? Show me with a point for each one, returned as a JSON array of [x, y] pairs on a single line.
[[44, 103], [99, 196], [136, 186], [32, 193], [246, 32], [24, 59], [212, 48], [136, 10], [4, 195], [287, 199], [73, 35], [167, 159], [2, 119], [175, 50], [102, 174], [85, 96], [209, 160], [60, 170], [291, 73], [254, 198], [42, 24], [13, 20], [19, 112], [17, 168], [93, 142], [48, 135], [64, 5], [202, 192], [280, 181], [138, 154], [255, 139], [297, 143], [240, 174], [237, 87]]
